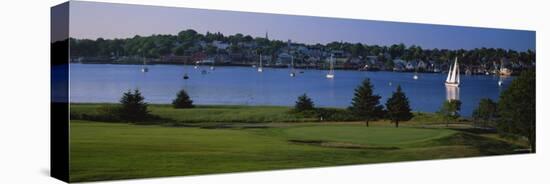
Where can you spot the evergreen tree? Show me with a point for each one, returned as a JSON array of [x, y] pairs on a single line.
[[133, 108], [303, 103], [398, 107], [516, 108], [365, 104], [450, 110], [182, 100]]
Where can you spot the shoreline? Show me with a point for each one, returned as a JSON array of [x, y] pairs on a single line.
[[279, 66]]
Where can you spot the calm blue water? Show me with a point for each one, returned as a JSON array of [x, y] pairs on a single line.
[[243, 85]]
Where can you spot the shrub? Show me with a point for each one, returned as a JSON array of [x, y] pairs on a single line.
[[133, 108], [303, 104], [450, 110], [182, 100]]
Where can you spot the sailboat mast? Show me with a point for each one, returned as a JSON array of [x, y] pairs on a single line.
[[457, 72], [292, 63], [453, 75], [260, 60], [331, 64]]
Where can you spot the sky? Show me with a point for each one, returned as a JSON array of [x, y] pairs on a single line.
[[106, 20]]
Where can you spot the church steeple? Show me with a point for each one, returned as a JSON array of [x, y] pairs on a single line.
[[266, 37]]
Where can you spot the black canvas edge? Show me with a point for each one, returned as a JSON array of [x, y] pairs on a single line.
[[59, 102]]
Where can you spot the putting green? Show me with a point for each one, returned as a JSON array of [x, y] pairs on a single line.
[[374, 136]]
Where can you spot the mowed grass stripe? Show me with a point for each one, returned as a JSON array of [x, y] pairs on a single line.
[[101, 151]]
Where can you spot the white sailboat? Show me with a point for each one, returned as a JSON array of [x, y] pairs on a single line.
[[292, 72], [330, 74], [212, 67], [144, 66], [260, 68], [196, 65], [453, 77]]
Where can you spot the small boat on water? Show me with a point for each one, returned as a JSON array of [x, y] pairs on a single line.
[[453, 77], [499, 82], [415, 76], [260, 68], [185, 76], [330, 74], [144, 66], [196, 65]]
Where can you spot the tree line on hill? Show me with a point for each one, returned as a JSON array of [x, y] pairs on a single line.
[[187, 42]]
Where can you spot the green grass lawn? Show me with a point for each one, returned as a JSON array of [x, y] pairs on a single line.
[[105, 151], [211, 113]]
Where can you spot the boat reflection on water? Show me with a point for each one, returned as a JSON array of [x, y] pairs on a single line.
[[453, 93]]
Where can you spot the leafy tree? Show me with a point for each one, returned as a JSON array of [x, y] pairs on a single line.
[[182, 100], [179, 51], [133, 108], [357, 50], [450, 110], [304, 103], [365, 104], [485, 112], [211, 50], [516, 108], [398, 108], [187, 35]]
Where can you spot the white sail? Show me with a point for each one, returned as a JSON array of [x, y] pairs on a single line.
[[453, 78], [453, 74], [330, 74], [449, 74]]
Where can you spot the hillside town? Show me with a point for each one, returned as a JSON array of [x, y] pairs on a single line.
[[192, 48]]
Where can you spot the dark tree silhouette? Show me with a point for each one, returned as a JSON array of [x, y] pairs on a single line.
[[398, 108], [365, 104], [133, 108], [303, 103], [182, 100], [516, 108]]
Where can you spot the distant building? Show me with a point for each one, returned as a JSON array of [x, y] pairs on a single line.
[[399, 65], [411, 65], [283, 58], [220, 45], [422, 65]]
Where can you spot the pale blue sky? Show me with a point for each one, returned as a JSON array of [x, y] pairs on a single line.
[[93, 20]]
